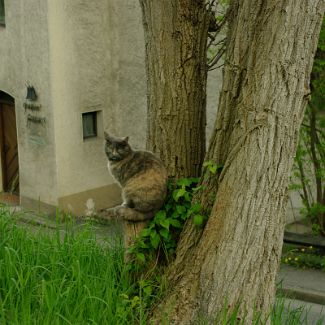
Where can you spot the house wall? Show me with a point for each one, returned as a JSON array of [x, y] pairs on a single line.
[[84, 73], [97, 63], [24, 59], [80, 56]]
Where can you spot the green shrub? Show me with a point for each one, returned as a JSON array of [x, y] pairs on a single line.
[[303, 257], [309, 168], [159, 239]]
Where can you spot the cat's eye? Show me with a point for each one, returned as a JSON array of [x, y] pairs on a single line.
[[121, 146], [109, 144]]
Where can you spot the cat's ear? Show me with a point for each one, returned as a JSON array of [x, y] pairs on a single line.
[[126, 139]]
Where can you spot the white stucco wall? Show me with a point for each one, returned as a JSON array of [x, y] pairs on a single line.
[[80, 56], [24, 59], [83, 70]]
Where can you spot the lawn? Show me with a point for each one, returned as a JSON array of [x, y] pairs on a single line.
[[53, 279], [45, 279]]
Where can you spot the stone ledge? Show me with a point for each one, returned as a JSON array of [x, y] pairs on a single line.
[[304, 239], [314, 296]]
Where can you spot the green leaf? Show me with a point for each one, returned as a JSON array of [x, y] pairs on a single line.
[[154, 239], [180, 209], [165, 223], [184, 182], [159, 217], [198, 220], [175, 223], [147, 290], [195, 208], [194, 179], [187, 197], [145, 232], [141, 257], [143, 244], [175, 215], [161, 214], [178, 194], [198, 188], [213, 169], [171, 244], [207, 163], [167, 206], [135, 301], [294, 187], [171, 251], [164, 233], [211, 166]]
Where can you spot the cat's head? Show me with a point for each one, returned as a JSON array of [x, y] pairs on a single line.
[[116, 149]]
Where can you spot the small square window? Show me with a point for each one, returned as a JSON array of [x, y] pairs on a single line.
[[2, 12], [89, 125]]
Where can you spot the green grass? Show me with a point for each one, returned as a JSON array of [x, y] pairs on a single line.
[[282, 314], [46, 279]]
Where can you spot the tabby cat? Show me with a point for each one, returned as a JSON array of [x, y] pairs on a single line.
[[142, 177]]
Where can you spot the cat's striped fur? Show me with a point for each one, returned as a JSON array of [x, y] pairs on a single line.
[[142, 177]]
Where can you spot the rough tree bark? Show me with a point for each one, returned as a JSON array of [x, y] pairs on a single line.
[[234, 259], [176, 37]]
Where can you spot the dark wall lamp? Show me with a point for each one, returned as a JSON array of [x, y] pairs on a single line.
[[31, 93], [31, 98]]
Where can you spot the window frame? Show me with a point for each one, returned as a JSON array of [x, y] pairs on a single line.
[[2, 17]]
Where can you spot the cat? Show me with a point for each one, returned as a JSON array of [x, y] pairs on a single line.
[[141, 176]]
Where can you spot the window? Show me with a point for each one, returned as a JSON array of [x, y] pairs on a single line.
[[2, 12], [89, 125]]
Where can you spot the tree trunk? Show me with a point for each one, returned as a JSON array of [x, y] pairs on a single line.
[[176, 37], [131, 231], [235, 258]]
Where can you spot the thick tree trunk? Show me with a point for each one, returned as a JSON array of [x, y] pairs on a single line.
[[176, 37], [235, 258]]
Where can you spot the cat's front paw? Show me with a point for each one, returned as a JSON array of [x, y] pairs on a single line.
[[120, 211], [106, 213]]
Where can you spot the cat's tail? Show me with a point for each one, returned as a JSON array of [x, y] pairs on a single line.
[[105, 216], [133, 215]]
